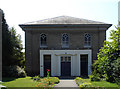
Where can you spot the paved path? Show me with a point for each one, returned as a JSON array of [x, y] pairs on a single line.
[[1, 86], [66, 83]]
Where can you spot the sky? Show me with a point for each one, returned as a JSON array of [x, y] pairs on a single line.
[[22, 11]]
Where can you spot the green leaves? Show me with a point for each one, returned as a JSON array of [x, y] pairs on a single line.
[[107, 56], [12, 46]]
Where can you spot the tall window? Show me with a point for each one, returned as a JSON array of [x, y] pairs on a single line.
[[87, 40], [65, 40], [43, 40]]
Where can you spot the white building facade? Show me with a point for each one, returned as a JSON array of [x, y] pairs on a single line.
[[56, 60]]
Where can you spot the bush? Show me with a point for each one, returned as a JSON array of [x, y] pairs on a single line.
[[54, 79], [94, 77], [51, 79], [46, 81], [116, 70], [107, 56], [36, 78], [13, 71], [80, 80], [82, 83]]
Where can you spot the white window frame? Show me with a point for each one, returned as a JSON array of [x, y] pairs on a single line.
[[41, 43], [65, 43], [87, 40]]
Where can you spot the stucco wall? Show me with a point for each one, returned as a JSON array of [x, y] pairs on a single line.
[[56, 61], [76, 39]]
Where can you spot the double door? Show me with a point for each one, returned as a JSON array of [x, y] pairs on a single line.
[[65, 65]]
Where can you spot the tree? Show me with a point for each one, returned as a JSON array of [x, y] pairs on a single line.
[[11, 46], [5, 42], [12, 56], [17, 57], [107, 55]]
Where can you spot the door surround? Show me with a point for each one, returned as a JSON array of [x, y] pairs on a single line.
[[56, 61]]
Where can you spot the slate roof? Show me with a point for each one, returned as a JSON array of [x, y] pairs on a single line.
[[64, 20]]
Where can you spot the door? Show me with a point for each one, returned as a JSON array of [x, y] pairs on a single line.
[[65, 66], [84, 65], [47, 64]]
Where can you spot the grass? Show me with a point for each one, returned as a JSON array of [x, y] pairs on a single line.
[[104, 83], [20, 82], [29, 82], [87, 83]]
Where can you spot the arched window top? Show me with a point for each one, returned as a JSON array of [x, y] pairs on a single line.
[[43, 36], [87, 35], [43, 39], [65, 40], [65, 34], [87, 40], [65, 37]]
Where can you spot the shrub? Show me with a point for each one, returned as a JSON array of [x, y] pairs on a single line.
[[116, 70], [14, 71], [54, 79], [94, 77], [107, 56], [83, 85], [80, 80], [36, 78], [47, 82]]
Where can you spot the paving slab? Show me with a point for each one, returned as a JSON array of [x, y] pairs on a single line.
[[67, 83]]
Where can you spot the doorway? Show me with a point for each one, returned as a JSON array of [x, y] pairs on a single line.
[[47, 64], [84, 65], [65, 65]]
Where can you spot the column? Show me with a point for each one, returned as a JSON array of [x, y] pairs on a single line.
[[79, 65], [41, 65], [89, 63], [72, 70], [59, 68], [52, 64]]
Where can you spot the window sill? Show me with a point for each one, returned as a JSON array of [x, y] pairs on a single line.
[[65, 46], [43, 46], [87, 46]]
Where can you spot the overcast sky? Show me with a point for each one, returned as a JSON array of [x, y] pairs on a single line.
[[22, 11]]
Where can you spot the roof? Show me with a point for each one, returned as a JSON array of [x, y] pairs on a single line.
[[65, 20]]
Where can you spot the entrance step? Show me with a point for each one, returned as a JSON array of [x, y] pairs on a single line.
[[66, 77]]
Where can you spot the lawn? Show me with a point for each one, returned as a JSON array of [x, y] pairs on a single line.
[[87, 83], [19, 82], [29, 82]]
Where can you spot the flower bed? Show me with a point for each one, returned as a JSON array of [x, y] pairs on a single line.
[[46, 82]]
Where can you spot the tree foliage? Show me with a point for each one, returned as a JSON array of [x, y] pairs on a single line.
[[11, 46], [107, 56]]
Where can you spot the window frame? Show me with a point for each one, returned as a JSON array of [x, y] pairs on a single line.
[[43, 44], [87, 43], [65, 43]]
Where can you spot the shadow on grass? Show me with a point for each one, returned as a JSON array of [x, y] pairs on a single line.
[[84, 77], [7, 79]]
